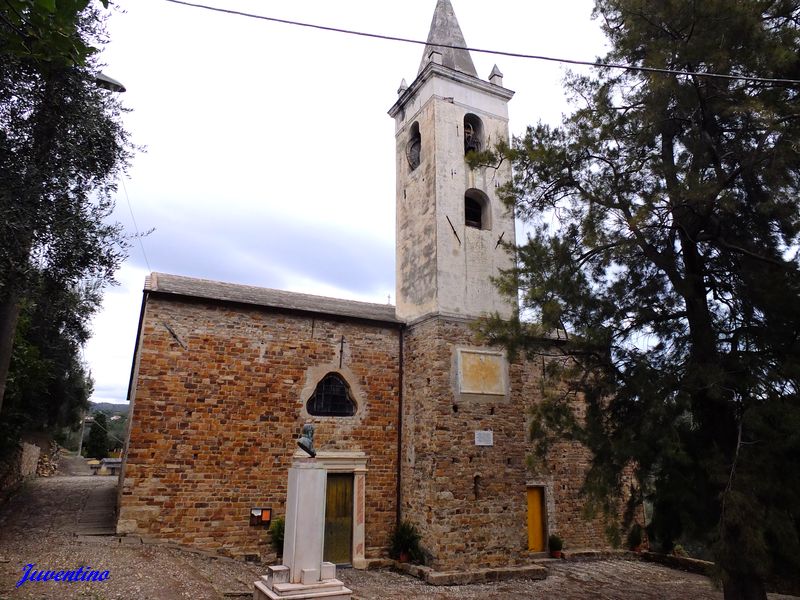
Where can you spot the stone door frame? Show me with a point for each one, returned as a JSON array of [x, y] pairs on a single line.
[[355, 463], [549, 505]]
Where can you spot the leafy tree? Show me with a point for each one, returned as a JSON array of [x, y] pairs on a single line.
[[48, 384], [45, 30], [97, 443], [664, 217], [62, 147]]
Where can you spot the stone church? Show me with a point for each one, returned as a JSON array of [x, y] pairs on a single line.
[[415, 419]]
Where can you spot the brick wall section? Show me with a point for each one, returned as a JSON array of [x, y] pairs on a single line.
[[216, 416], [467, 522]]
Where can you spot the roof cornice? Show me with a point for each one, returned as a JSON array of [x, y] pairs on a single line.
[[433, 69]]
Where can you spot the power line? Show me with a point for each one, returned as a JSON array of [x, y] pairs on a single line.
[[94, 422], [568, 61], [135, 226]]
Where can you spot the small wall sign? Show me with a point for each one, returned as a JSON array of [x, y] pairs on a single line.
[[484, 438], [260, 516]]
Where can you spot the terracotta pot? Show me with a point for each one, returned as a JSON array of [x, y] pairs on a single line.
[[555, 554], [404, 557]]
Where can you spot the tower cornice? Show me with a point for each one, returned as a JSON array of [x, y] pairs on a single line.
[[433, 69]]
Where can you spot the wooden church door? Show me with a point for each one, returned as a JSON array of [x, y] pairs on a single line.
[[536, 526], [338, 545]]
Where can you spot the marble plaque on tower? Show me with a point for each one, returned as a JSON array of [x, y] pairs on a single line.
[[481, 372]]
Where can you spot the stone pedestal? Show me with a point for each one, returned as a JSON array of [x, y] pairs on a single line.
[[303, 575]]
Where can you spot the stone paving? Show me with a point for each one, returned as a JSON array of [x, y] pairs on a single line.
[[567, 580], [40, 524]]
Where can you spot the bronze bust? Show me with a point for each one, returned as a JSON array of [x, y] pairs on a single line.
[[306, 441]]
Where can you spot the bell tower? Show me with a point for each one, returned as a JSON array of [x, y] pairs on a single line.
[[450, 225], [450, 221]]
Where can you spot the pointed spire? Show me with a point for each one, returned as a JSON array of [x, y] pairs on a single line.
[[403, 87], [496, 77], [445, 30]]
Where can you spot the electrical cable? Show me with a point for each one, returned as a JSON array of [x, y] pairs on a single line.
[[94, 422], [568, 61], [135, 226]]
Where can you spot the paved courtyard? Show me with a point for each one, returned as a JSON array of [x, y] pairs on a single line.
[[46, 521]]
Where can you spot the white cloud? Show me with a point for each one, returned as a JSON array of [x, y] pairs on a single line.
[[270, 156]]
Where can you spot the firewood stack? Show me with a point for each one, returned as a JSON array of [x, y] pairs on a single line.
[[48, 461]]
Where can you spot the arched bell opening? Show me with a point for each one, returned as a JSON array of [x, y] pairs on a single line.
[[476, 210], [473, 133], [414, 147]]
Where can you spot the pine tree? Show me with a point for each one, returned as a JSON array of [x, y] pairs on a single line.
[[97, 444], [664, 216]]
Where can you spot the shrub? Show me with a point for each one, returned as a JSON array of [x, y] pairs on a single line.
[[635, 536], [405, 540], [276, 530]]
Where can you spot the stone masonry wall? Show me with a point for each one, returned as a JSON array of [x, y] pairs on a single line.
[[29, 459], [470, 502], [219, 402]]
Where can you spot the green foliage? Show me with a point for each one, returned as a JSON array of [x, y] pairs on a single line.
[[45, 30], [664, 234], [405, 540], [679, 551], [117, 430], [97, 445], [49, 385], [555, 543], [62, 149], [277, 530]]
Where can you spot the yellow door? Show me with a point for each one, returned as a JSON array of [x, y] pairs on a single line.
[[338, 545], [536, 519]]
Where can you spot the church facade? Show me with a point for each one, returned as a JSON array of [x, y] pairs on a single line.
[[416, 419]]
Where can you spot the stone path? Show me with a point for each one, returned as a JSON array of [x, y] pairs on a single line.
[[567, 580], [98, 515], [39, 526]]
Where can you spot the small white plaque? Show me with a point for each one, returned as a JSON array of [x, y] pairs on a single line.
[[484, 438]]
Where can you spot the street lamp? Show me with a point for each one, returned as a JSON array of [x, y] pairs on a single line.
[[108, 83]]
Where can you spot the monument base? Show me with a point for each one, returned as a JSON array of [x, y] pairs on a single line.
[[275, 584]]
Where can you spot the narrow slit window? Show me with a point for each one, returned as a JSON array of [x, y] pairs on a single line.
[[332, 398]]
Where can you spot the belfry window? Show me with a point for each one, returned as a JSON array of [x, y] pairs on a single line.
[[472, 213], [414, 147], [473, 133], [476, 210], [331, 398]]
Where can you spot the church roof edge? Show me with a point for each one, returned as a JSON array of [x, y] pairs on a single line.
[[179, 285]]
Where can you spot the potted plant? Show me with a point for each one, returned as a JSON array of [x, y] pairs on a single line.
[[636, 537], [276, 531], [405, 543], [555, 544]]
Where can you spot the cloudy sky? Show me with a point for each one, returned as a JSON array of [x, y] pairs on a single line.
[[269, 155]]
